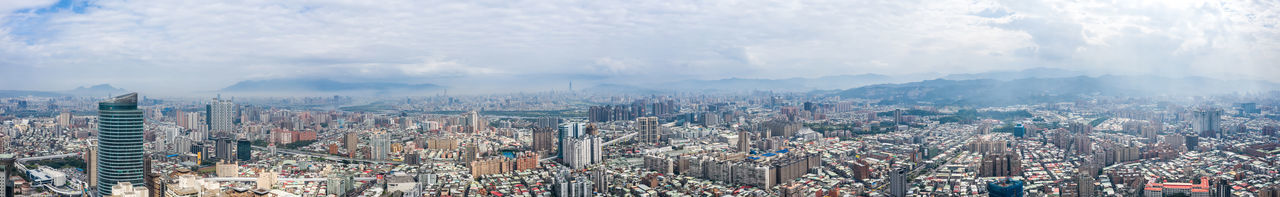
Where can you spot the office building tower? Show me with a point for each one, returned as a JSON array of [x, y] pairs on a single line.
[[744, 141], [243, 149], [1019, 130], [898, 182], [543, 139], [1005, 188], [1206, 121], [648, 128], [1191, 141], [119, 142], [220, 116]]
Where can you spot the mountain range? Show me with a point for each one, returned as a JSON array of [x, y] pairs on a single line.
[[100, 90], [281, 87], [993, 92]]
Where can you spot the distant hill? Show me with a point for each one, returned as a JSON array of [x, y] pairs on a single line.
[[24, 93], [100, 90], [991, 92], [293, 86], [610, 88], [1020, 74], [789, 84]]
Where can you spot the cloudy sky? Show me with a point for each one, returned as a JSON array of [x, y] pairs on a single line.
[[174, 46]]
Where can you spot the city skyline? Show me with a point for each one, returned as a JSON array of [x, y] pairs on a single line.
[[173, 48], [785, 98]]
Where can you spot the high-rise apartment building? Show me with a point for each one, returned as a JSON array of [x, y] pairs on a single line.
[[1206, 121], [64, 119], [193, 122], [1000, 164], [120, 139], [381, 146], [351, 140], [568, 131], [648, 128], [91, 163], [898, 182], [543, 139], [220, 116], [471, 122]]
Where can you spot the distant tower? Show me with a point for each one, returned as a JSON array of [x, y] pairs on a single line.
[[571, 86], [120, 142]]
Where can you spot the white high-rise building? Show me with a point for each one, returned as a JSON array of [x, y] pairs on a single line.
[[221, 116], [193, 121], [472, 122], [1206, 122], [381, 146], [582, 152]]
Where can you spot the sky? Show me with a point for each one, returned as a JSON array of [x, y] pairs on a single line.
[[187, 46]]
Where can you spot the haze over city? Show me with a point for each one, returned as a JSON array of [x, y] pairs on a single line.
[[849, 98]]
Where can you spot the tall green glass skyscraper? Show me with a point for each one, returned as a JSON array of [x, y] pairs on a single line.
[[119, 142]]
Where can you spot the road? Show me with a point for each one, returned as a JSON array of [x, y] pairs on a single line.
[[251, 179], [616, 140], [324, 156]]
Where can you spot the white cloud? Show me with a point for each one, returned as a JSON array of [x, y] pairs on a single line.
[[154, 45]]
